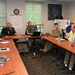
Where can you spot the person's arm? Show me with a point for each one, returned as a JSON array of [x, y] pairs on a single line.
[[73, 41], [14, 32], [4, 31], [36, 29], [28, 33]]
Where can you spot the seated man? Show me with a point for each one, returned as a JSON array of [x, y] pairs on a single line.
[[29, 31], [70, 57], [56, 32], [30, 28]]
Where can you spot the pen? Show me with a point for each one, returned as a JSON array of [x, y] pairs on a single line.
[[8, 73]]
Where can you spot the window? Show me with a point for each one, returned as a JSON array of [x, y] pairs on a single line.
[[2, 13], [34, 13]]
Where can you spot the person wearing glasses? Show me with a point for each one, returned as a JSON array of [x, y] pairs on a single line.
[[69, 60], [8, 30]]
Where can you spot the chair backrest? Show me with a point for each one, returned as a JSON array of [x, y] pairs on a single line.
[[25, 32]]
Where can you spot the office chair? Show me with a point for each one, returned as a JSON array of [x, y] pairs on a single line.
[[35, 46]]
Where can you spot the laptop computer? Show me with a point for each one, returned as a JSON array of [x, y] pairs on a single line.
[[36, 34]]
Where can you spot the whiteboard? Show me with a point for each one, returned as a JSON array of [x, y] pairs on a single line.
[[62, 23]]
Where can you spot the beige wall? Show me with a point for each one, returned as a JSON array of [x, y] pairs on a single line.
[[70, 11], [20, 4], [48, 24]]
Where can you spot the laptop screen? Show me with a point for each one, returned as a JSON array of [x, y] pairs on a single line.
[[36, 34]]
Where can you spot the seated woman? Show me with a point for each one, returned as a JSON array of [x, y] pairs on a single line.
[[69, 60], [8, 30]]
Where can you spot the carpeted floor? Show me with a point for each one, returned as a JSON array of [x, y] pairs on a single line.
[[42, 64]]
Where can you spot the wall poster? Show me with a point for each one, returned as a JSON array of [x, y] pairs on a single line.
[[54, 10]]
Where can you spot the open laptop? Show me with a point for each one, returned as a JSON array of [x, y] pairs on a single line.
[[36, 34]]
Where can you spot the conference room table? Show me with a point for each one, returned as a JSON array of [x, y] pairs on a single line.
[[15, 64], [19, 36], [62, 43]]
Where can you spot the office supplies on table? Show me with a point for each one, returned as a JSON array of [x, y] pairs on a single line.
[[4, 42], [3, 60], [4, 49]]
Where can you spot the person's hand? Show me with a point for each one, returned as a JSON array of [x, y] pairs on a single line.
[[15, 33], [72, 44], [64, 30], [66, 37]]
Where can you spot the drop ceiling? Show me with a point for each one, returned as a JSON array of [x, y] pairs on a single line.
[[54, 0], [62, 0]]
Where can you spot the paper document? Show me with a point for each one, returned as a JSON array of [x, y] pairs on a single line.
[[60, 39], [4, 42]]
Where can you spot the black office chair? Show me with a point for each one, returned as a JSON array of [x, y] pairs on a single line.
[[35, 46]]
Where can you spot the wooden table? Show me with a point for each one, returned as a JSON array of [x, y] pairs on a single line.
[[21, 36], [64, 44], [14, 63]]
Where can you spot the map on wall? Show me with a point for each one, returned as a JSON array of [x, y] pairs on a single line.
[[54, 10]]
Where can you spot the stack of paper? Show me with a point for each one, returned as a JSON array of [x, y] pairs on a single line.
[[3, 60]]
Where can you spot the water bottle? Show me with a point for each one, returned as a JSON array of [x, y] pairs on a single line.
[[59, 38]]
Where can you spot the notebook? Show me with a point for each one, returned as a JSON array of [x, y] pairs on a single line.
[[36, 34]]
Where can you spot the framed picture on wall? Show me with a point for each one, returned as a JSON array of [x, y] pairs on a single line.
[[54, 11]]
